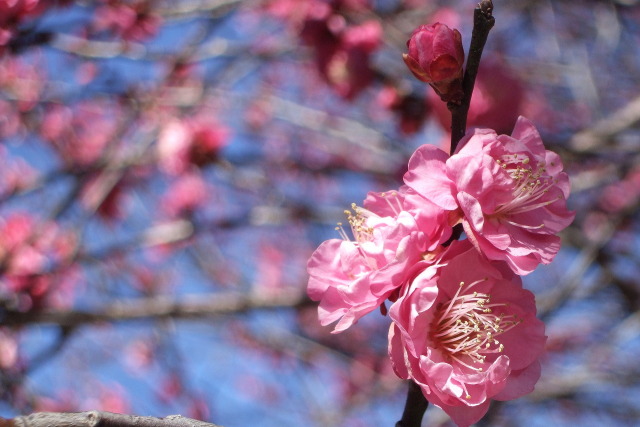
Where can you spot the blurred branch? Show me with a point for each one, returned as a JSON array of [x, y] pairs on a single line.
[[549, 303], [597, 135], [158, 307], [186, 9], [99, 419], [101, 49], [97, 48], [588, 257]]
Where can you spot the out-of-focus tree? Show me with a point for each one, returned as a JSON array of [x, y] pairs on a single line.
[[168, 167]]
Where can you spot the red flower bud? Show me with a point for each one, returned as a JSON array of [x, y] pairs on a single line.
[[436, 56]]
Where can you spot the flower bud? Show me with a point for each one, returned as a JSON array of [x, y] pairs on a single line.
[[436, 56]]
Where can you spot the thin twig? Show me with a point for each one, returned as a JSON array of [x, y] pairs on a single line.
[[483, 21]]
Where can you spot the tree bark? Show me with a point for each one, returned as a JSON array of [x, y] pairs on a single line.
[[99, 419]]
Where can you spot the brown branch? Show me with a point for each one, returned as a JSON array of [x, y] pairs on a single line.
[[414, 408], [99, 419], [483, 21], [194, 307], [597, 136]]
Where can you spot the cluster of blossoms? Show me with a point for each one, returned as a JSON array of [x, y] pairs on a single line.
[[35, 261], [342, 50], [463, 328]]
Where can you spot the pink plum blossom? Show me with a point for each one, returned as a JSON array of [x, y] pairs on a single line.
[[130, 21], [185, 195], [430, 219], [80, 135], [352, 278], [195, 141], [508, 192], [411, 110], [342, 50], [13, 13], [9, 354], [29, 251], [466, 332]]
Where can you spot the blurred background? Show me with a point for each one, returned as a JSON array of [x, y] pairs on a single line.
[[167, 168]]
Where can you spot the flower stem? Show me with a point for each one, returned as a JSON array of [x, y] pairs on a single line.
[[483, 21], [414, 408]]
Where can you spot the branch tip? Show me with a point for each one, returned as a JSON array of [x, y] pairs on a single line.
[[486, 7]]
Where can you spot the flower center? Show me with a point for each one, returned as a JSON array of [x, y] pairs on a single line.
[[530, 187], [465, 329], [358, 222], [362, 232]]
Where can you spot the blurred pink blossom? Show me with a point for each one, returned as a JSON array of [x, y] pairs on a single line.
[[29, 250], [10, 120], [13, 13], [129, 20], [140, 355], [348, 70], [412, 111], [342, 50], [182, 143], [185, 195], [80, 134], [623, 194], [23, 81], [110, 397], [16, 174], [8, 350]]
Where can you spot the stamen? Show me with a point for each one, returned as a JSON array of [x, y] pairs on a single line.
[[342, 233], [360, 230], [397, 208], [529, 187], [465, 329]]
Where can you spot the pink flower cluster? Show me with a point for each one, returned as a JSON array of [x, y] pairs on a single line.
[[35, 257], [12, 14], [342, 50], [463, 327], [128, 20]]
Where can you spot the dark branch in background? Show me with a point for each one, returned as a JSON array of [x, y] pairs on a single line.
[[197, 307], [483, 20], [99, 419]]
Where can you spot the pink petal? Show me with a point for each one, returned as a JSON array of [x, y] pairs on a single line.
[[520, 382], [426, 175]]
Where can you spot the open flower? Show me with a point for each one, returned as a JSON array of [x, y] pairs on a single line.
[[352, 278], [392, 239], [508, 192], [466, 332]]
